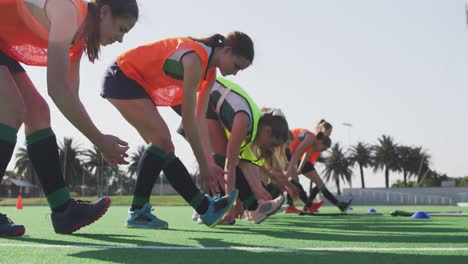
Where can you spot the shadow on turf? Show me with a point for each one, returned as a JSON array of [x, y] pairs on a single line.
[[241, 256], [405, 231]]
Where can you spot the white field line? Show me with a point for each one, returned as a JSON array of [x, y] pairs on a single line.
[[342, 249]]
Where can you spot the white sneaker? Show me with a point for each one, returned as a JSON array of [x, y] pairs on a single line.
[[247, 215], [265, 209], [200, 221], [195, 216]]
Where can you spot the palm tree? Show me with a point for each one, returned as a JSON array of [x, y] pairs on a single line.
[[134, 160], [361, 154], [100, 170], [24, 167], [421, 162], [385, 157], [405, 162], [337, 167], [69, 153]]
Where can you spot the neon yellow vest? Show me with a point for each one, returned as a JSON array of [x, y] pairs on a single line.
[[246, 151]]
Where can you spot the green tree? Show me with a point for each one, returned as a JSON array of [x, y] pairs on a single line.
[[405, 162], [101, 171], [361, 154], [337, 167], [421, 162], [71, 153], [134, 160], [24, 167], [385, 157]]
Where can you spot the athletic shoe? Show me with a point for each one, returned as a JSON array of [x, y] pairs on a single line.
[[218, 207], [314, 207], [8, 228], [265, 209], [247, 215], [343, 206], [79, 214], [143, 218], [292, 210], [195, 216], [200, 221]]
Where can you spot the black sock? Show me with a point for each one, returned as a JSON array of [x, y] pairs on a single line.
[[7, 146], [245, 193], [313, 192], [220, 161], [149, 166], [44, 155], [180, 179], [273, 190], [302, 193], [330, 197]]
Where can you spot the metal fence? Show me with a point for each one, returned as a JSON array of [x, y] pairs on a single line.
[[407, 196]]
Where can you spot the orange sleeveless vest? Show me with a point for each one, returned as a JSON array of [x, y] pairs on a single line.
[[296, 141], [24, 39], [144, 64]]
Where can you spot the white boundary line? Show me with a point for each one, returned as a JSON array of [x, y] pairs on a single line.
[[342, 249]]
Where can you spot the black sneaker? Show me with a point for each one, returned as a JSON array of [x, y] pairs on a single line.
[[8, 228], [79, 214], [343, 206]]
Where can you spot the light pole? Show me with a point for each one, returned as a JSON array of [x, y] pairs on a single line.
[[349, 125]]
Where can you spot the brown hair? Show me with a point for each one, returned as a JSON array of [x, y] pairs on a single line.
[[241, 43], [324, 138], [275, 119], [277, 158], [119, 8], [323, 125]]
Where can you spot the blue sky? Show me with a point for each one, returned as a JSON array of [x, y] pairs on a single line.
[[393, 67]]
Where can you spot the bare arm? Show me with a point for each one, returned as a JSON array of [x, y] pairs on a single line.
[[216, 172], [74, 76], [202, 107], [239, 131], [303, 161], [63, 18], [63, 77], [305, 144], [252, 175], [192, 75]]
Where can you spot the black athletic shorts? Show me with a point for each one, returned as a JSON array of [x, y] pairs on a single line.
[[12, 65], [117, 85], [308, 167]]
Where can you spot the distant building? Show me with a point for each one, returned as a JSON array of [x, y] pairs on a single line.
[[12, 188]]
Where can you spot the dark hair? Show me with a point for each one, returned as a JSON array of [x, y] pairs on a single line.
[[118, 8], [241, 43], [279, 125], [324, 138], [323, 124]]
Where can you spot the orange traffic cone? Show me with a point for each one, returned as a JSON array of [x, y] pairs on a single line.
[[19, 202]]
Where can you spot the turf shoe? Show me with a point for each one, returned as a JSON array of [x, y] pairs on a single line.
[[8, 228], [79, 214], [292, 210], [313, 207], [266, 208], [143, 218], [343, 206], [218, 207], [195, 216]]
